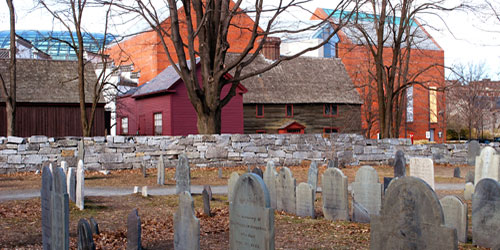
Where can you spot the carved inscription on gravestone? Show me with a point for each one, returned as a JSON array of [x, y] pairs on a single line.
[[334, 188], [487, 164], [285, 191], [485, 213], [305, 200], [186, 225], [46, 200], [230, 185], [270, 175], [455, 215], [366, 189], [423, 168], [182, 175]]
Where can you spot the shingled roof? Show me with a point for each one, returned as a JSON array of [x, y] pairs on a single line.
[[301, 80], [49, 81]]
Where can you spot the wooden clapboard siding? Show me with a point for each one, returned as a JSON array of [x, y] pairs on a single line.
[[348, 119]]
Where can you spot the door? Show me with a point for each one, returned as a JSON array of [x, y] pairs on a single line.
[[432, 135]]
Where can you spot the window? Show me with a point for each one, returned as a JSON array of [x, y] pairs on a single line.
[[330, 130], [124, 125], [433, 105], [259, 110], [260, 131], [289, 110], [409, 104], [294, 131], [330, 110], [158, 123]]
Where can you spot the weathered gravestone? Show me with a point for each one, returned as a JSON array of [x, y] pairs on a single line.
[[64, 166], [206, 202], [94, 226], [270, 175], [312, 177], [81, 151], [46, 200], [85, 240], [258, 171], [182, 175], [423, 168], [80, 185], [333, 163], [400, 164], [456, 172], [366, 189], [60, 211], [473, 151], [334, 194], [144, 169], [485, 213], [469, 177], [160, 176], [230, 185], [455, 215], [209, 191], [144, 191], [71, 184], [251, 218], [387, 181], [186, 225], [285, 191], [359, 213], [134, 231], [411, 218], [305, 200], [468, 191], [487, 164]]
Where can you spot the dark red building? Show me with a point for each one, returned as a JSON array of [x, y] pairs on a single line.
[[162, 107]]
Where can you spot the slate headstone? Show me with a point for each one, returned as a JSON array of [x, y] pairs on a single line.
[[423, 168], [469, 177], [473, 151], [468, 191], [71, 183], [134, 230], [485, 213], [270, 175], [81, 151], [94, 226], [359, 213], [60, 211], [258, 171], [387, 181], [206, 202], [334, 192], [160, 177], [487, 164], [456, 172], [305, 200], [186, 225], [251, 218], [46, 200], [366, 189], [411, 218], [285, 191], [80, 185], [400, 164], [233, 178], [312, 177], [85, 240], [209, 191], [182, 175], [455, 215]]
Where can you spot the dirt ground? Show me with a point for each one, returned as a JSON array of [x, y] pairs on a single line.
[[21, 220]]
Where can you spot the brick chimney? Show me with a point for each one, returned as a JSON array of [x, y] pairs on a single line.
[[271, 48]]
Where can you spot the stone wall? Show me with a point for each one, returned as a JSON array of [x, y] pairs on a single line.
[[119, 152]]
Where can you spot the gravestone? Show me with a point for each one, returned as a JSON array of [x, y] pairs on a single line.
[[312, 177], [209, 191], [136, 189], [411, 218], [333, 163], [80, 185], [455, 215], [400, 164], [60, 211], [270, 175], [94, 226], [144, 169], [144, 191], [219, 173], [366, 189], [186, 225], [487, 164], [71, 184], [359, 213], [285, 191], [81, 151], [423, 168], [387, 181], [182, 175], [473, 151], [305, 200], [64, 166], [334, 192], [251, 218], [456, 172], [485, 215], [468, 191], [85, 240], [206, 202], [469, 177], [258, 171], [230, 185], [134, 230], [160, 178], [46, 204]]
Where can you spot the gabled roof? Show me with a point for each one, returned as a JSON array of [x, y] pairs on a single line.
[[49, 81], [301, 80], [292, 124]]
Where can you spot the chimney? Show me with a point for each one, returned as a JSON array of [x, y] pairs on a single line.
[[271, 48]]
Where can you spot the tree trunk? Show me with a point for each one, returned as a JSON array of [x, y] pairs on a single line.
[[11, 118], [10, 102], [209, 123]]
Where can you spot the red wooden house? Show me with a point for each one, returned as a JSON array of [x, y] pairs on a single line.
[[161, 107]]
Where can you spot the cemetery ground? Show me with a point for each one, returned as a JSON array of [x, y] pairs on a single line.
[[21, 219]]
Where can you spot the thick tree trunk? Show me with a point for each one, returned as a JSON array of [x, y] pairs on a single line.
[[209, 123], [11, 118]]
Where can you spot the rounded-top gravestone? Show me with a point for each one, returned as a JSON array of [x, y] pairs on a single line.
[[400, 164], [485, 215], [366, 189]]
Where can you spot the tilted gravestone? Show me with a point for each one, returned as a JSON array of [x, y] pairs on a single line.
[[134, 230], [485, 215], [182, 175], [71, 184], [400, 164], [160, 176], [334, 194], [251, 218], [85, 240], [81, 151], [469, 177], [456, 172], [366, 189], [285, 191], [206, 202], [423, 168], [46, 200], [305, 200], [473, 151], [487, 164], [312, 176], [186, 225], [359, 213], [258, 171], [270, 175], [94, 226], [60, 211], [80, 185], [411, 218], [455, 215], [468, 191], [209, 191], [230, 185]]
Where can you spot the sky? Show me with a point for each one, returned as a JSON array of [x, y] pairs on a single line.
[[467, 37]]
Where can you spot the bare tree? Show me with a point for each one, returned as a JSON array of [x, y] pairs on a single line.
[[10, 94]]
